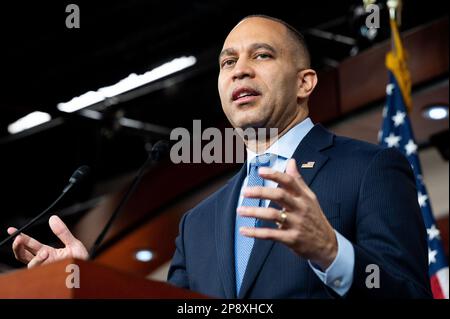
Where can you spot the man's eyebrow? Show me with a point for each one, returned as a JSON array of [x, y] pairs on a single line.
[[224, 52], [253, 47], [256, 46]]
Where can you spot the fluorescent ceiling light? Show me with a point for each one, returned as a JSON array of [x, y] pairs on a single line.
[[129, 83], [28, 121]]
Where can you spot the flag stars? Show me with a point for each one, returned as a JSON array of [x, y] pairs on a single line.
[[392, 140], [422, 198], [389, 88], [431, 256], [399, 118], [433, 232], [411, 147]]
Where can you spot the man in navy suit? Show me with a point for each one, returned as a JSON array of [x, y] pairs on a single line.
[[310, 214], [326, 216]]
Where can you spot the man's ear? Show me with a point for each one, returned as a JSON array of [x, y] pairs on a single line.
[[307, 81]]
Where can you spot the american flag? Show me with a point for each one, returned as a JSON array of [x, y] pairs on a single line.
[[397, 132]]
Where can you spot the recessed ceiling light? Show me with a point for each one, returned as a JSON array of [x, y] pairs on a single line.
[[436, 112], [144, 255]]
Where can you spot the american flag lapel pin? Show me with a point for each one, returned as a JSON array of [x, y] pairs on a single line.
[[308, 165]]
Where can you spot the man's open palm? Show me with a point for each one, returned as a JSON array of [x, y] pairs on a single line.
[[33, 253]]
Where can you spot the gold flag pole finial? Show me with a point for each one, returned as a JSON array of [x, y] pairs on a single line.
[[395, 10], [368, 2]]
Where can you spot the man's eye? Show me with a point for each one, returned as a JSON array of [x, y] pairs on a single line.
[[263, 56], [228, 63]]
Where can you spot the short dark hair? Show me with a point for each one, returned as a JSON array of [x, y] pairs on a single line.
[[293, 32]]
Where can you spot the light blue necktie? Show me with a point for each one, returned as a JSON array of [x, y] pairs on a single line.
[[243, 245]]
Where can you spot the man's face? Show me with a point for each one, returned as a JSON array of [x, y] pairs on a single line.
[[258, 75]]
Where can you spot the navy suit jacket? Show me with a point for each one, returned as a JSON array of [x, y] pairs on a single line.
[[367, 193]]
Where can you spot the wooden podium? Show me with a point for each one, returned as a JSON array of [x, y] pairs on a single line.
[[95, 281]]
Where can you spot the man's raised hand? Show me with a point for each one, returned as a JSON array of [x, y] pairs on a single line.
[[33, 253]]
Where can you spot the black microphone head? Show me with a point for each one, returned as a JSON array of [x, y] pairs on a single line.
[[79, 174], [159, 149]]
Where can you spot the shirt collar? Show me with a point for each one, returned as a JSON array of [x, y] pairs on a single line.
[[286, 145]]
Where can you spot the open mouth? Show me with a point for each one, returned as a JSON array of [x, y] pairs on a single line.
[[245, 95]]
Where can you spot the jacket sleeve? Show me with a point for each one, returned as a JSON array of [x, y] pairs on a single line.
[[390, 233], [177, 272]]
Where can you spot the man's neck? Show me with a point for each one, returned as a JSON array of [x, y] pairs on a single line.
[[260, 145]]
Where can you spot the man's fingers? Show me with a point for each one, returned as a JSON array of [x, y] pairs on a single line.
[[261, 213], [41, 257], [11, 230], [286, 181], [278, 195], [292, 170], [29, 243], [291, 180], [266, 233], [22, 254], [20, 250], [61, 231]]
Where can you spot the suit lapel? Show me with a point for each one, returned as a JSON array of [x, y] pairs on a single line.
[[309, 150], [225, 216], [309, 154]]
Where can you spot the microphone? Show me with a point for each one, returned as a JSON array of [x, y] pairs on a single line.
[[159, 150], [79, 175], [155, 153]]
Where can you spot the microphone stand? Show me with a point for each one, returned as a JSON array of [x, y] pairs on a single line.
[[153, 155], [76, 177]]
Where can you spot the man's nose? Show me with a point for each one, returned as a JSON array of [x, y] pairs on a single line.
[[242, 69]]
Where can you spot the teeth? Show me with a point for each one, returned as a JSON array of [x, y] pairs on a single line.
[[243, 94]]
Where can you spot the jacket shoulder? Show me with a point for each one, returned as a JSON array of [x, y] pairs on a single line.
[[345, 147]]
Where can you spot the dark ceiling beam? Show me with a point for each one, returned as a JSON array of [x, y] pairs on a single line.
[[361, 80]]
